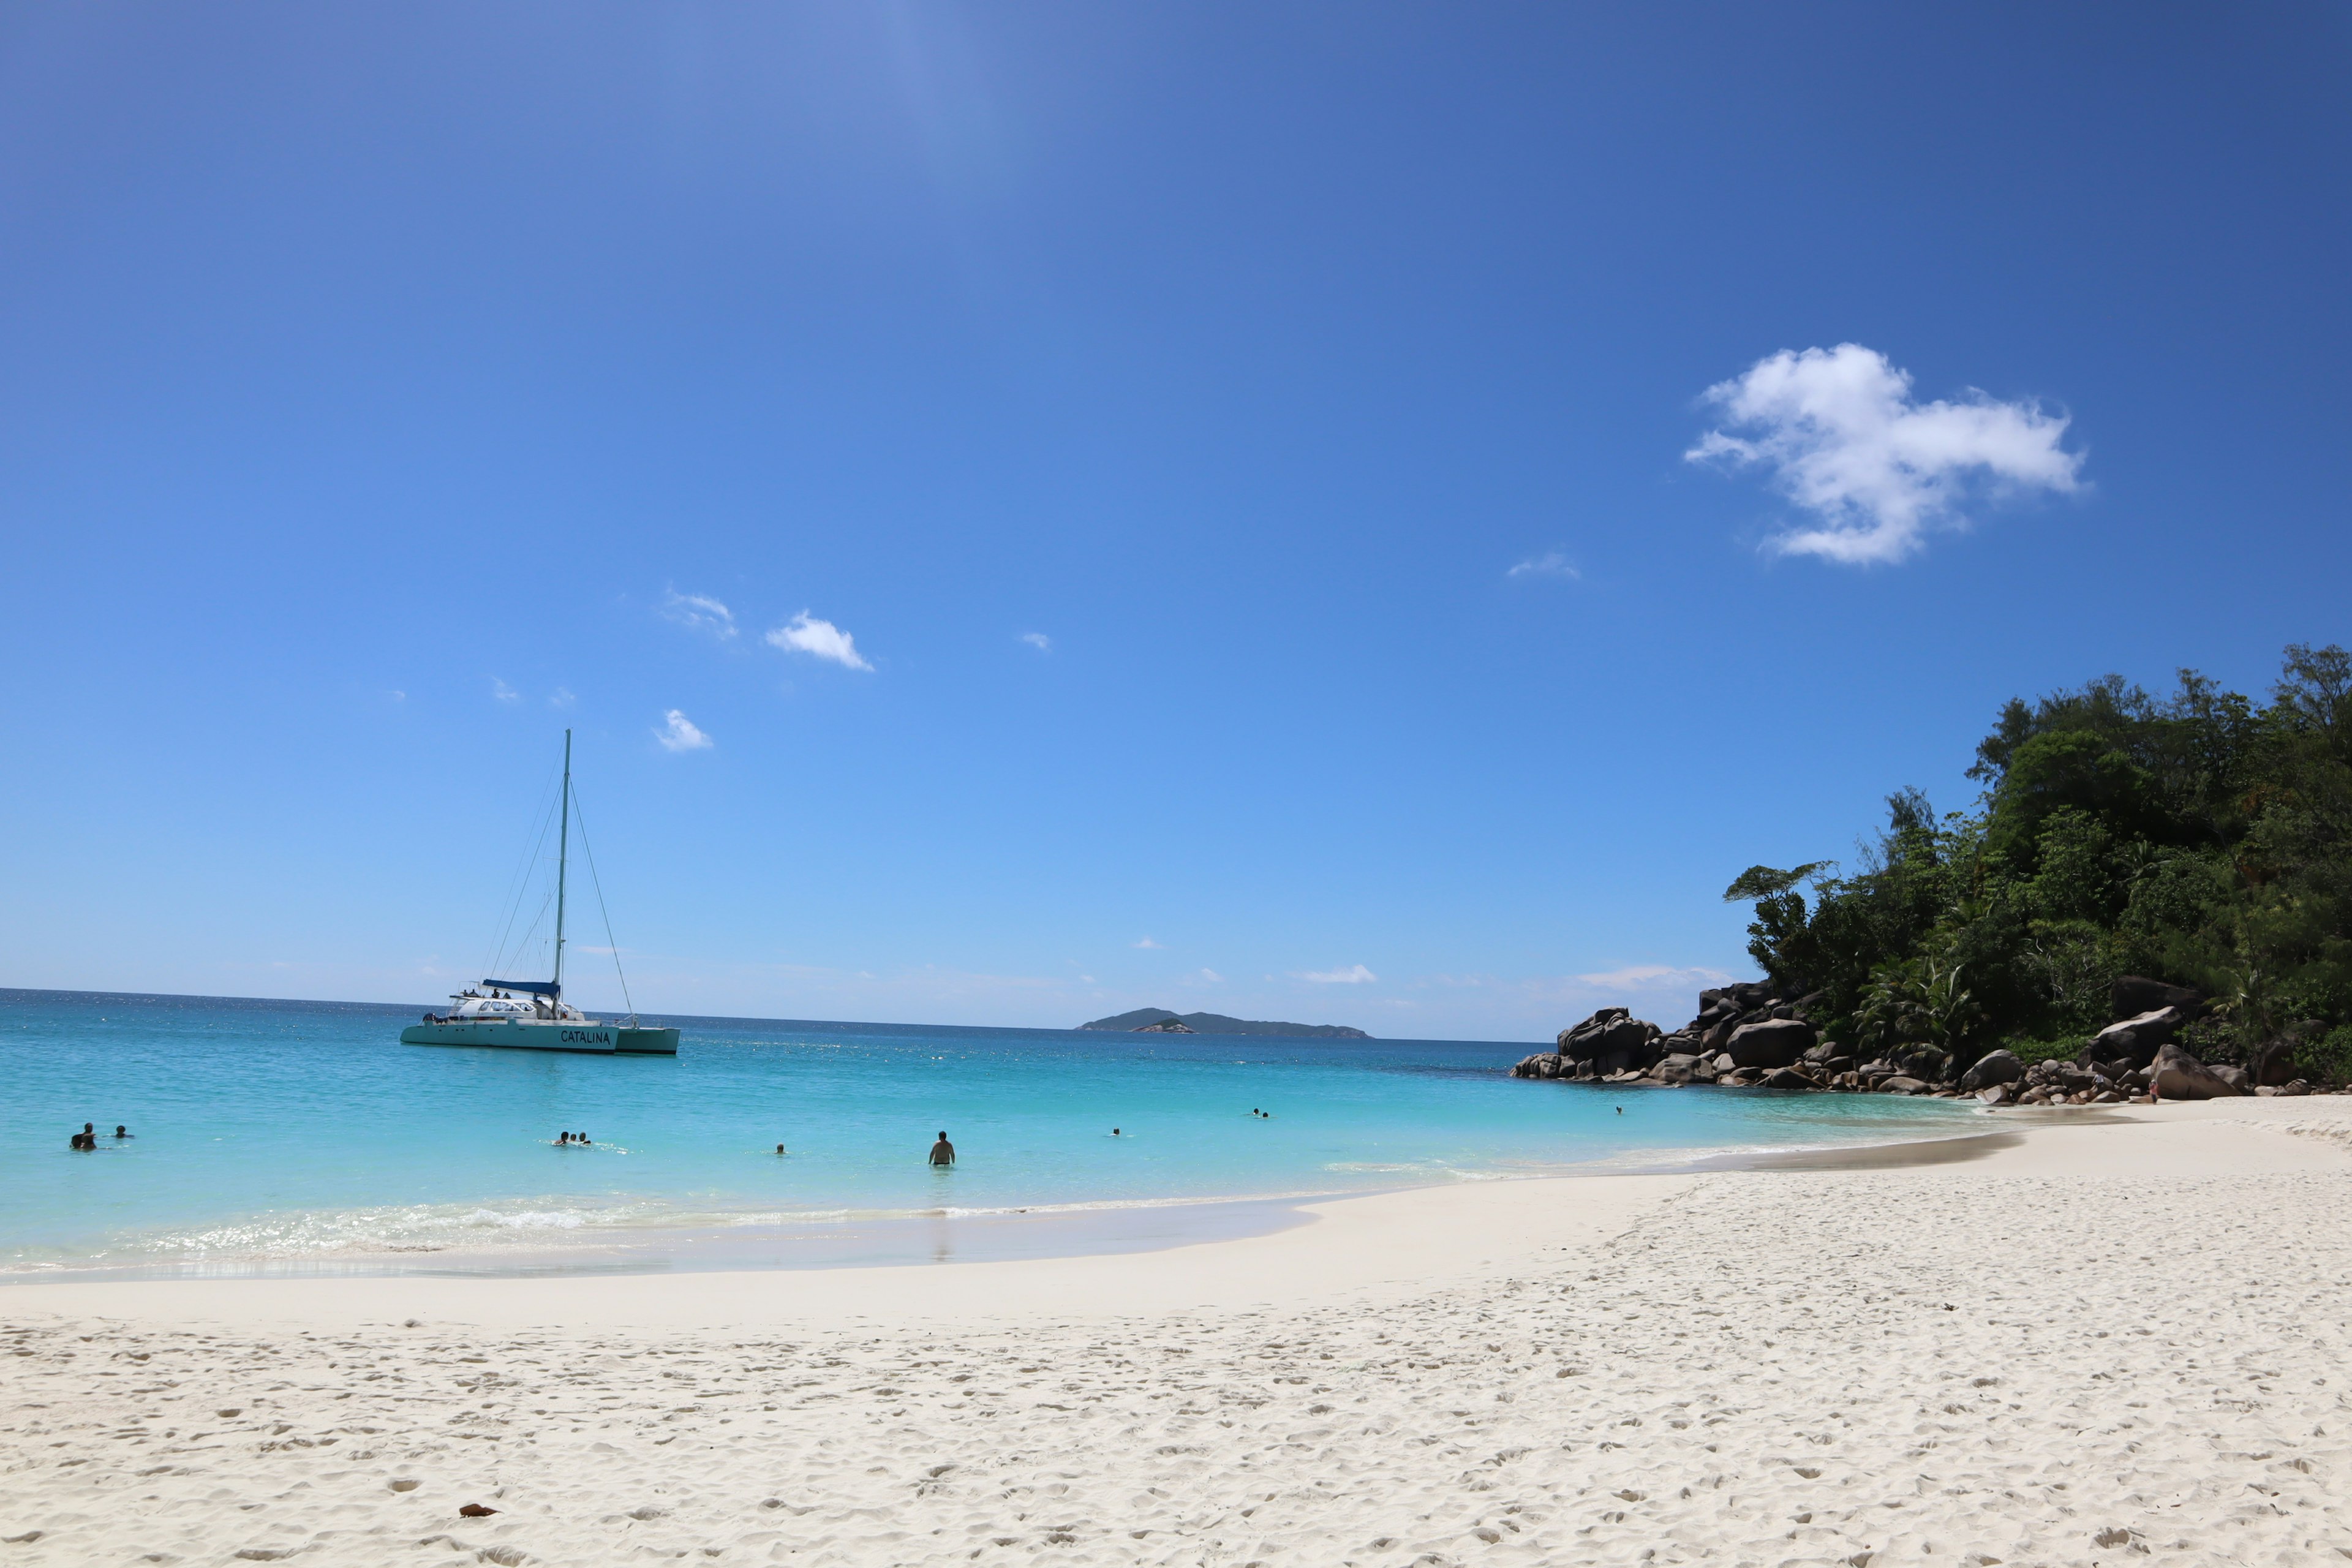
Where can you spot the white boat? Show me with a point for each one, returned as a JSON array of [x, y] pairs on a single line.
[[531, 1014]]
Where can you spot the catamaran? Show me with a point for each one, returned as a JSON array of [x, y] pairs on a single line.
[[531, 1014]]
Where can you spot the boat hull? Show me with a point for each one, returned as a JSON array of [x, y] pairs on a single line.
[[532, 1035]]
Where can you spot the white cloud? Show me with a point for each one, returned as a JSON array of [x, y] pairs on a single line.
[[1841, 437], [1354, 974], [503, 692], [1212, 977], [1655, 977], [1039, 641], [561, 698], [1551, 563], [699, 612], [1147, 941], [820, 640], [678, 734]]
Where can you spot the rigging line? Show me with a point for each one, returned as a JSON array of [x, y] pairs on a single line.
[[545, 903], [518, 885], [598, 883], [520, 882]]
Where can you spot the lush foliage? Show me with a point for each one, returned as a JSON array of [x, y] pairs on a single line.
[[2197, 838]]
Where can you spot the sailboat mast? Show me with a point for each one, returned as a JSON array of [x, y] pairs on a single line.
[[562, 861]]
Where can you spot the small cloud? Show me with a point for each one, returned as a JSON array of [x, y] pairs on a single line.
[[503, 692], [398, 696], [1212, 977], [1354, 974], [1655, 977], [819, 639], [561, 698], [1551, 563], [678, 734], [1039, 641], [1837, 431], [699, 613], [1147, 941]]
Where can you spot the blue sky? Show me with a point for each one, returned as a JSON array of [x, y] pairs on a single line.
[[1262, 461]]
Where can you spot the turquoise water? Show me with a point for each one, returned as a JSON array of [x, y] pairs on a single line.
[[277, 1135]]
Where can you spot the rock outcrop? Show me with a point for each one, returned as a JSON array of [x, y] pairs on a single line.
[[2138, 1037], [1991, 1068], [1747, 1036], [1742, 1034], [2131, 994], [1611, 1041], [2176, 1075], [1769, 1043]]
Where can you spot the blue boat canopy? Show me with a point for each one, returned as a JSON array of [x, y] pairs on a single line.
[[528, 987]]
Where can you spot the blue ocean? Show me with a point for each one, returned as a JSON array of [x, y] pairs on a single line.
[[303, 1137]]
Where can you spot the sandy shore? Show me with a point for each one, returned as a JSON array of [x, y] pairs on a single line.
[[2096, 1340]]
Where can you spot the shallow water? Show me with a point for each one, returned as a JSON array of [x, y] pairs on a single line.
[[282, 1136]]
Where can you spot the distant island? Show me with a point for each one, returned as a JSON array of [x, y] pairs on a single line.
[[1160, 1020]]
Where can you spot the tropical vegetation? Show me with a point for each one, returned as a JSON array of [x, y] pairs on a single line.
[[2199, 838]]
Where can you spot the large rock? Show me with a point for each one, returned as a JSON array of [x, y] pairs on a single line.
[[1933, 1066], [1992, 1068], [2275, 1064], [2131, 994], [1788, 1077], [2176, 1075], [1773, 1043], [1576, 1033], [1612, 1041], [2135, 1039], [1739, 997], [1899, 1084]]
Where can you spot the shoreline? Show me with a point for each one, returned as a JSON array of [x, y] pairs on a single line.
[[2107, 1336], [1105, 1228], [1293, 1250]]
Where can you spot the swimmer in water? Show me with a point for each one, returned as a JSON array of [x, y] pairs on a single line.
[[1620, 1111], [944, 1152], [121, 1130], [582, 1138], [780, 1148], [1113, 1131]]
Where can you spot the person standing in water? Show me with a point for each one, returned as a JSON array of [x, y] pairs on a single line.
[[944, 1152]]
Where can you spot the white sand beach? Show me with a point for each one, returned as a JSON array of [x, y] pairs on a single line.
[[2109, 1339]]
